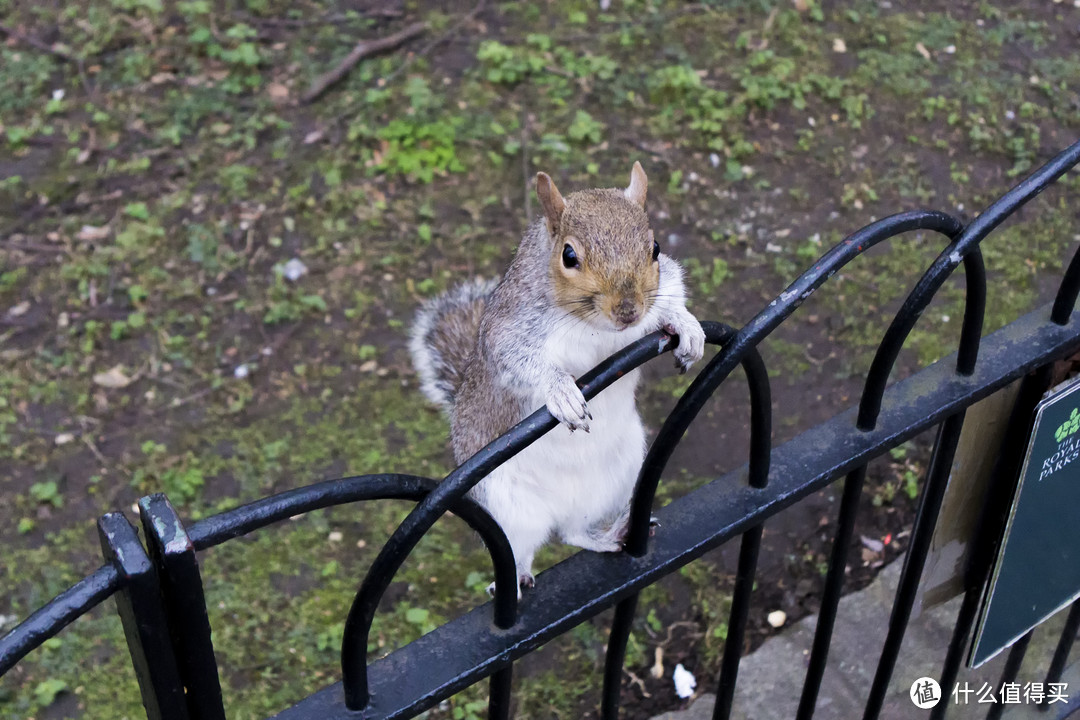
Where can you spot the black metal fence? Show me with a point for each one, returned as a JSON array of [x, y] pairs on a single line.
[[159, 591]]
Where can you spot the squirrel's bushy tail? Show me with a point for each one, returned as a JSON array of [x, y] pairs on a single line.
[[444, 336]]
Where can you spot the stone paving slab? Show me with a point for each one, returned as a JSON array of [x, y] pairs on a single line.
[[771, 678]]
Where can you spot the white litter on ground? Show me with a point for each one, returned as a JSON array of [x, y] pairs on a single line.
[[685, 682]]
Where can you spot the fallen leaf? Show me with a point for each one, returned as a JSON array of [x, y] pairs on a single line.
[[20, 309], [113, 378], [278, 92]]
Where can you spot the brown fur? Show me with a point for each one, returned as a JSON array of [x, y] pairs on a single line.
[[444, 338], [472, 337], [614, 245]]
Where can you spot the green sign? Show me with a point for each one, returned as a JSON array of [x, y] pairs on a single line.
[[1037, 571]]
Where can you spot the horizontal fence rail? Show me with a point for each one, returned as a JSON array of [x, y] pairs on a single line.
[[159, 590]]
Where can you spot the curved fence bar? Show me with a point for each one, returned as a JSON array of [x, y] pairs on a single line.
[[389, 486], [967, 353], [904, 321], [1019, 195], [77, 600], [449, 491], [750, 335], [869, 410], [1067, 292], [967, 243], [949, 437], [757, 377]]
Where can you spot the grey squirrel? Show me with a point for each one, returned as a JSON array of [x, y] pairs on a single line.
[[587, 280]]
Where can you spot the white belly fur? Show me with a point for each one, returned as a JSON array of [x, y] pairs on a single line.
[[565, 482]]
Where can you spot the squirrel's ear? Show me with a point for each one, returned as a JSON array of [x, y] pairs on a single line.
[[550, 199], [639, 184]]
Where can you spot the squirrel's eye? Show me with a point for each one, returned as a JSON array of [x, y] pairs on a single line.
[[655, 250], [569, 257]]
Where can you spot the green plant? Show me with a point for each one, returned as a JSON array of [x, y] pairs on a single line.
[[708, 278], [510, 65], [45, 692], [420, 150], [179, 477], [289, 303], [46, 493], [585, 128]]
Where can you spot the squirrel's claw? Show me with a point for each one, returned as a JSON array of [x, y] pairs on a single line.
[[567, 405], [691, 345]]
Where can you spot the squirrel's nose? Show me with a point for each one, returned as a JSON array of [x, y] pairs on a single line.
[[626, 312]]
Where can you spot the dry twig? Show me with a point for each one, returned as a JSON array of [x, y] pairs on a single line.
[[363, 49]]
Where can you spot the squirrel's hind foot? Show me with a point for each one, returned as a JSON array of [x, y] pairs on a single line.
[[525, 579]]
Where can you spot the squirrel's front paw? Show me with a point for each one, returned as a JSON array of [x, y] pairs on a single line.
[[691, 340], [566, 403]]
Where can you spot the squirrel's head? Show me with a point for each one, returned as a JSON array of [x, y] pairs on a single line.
[[604, 260]]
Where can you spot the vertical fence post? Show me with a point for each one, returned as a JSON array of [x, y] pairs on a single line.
[[1065, 643], [185, 605], [499, 693], [937, 477], [616, 656], [139, 603], [740, 613]]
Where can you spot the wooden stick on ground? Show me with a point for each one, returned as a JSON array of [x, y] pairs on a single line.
[[362, 50]]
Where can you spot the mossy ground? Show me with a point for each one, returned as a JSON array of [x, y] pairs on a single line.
[[156, 174]]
